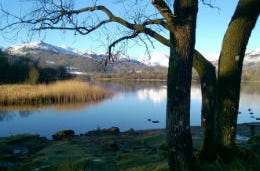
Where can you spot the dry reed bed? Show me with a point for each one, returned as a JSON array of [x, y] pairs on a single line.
[[56, 93]]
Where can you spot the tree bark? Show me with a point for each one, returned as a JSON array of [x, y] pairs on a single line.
[[182, 41], [230, 69], [208, 80]]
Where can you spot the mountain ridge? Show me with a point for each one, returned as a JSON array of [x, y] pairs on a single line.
[[80, 61], [157, 59]]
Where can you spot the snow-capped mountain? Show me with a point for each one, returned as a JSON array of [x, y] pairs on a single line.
[[49, 55], [71, 50], [251, 59], [254, 53], [253, 56], [35, 47], [160, 59], [156, 59]]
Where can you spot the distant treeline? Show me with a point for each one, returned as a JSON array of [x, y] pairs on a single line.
[[141, 76], [159, 76], [248, 75], [22, 70]]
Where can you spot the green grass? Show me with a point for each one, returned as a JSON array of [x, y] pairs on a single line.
[[137, 152], [142, 151]]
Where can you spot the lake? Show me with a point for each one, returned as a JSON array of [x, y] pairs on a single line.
[[133, 105]]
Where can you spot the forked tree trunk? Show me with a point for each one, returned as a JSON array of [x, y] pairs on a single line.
[[207, 74], [179, 83], [230, 69]]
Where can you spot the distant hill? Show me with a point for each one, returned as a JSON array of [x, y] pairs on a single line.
[[81, 61], [75, 60], [252, 59], [251, 66]]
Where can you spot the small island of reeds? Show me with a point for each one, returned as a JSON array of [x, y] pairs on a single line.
[[60, 92]]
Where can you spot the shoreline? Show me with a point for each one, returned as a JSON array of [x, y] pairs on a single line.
[[242, 130], [106, 149]]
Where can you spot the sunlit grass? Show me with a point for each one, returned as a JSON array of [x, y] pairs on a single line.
[[55, 93]]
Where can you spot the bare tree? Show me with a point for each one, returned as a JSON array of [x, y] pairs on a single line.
[[178, 18], [60, 15]]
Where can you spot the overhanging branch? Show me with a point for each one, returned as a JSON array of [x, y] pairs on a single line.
[[165, 11], [135, 34], [82, 30], [137, 27], [158, 22], [61, 19], [209, 4]]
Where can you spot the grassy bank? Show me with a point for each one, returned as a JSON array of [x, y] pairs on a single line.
[[112, 151], [55, 93]]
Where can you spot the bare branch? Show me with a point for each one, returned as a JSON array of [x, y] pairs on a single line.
[[210, 4], [61, 18], [165, 11], [136, 27], [135, 34], [82, 30], [146, 45], [158, 22]]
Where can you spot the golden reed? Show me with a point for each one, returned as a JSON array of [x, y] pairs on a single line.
[[55, 93]]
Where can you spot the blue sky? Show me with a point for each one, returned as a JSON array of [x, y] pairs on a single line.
[[211, 26]]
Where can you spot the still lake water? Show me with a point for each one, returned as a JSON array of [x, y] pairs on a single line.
[[130, 107]]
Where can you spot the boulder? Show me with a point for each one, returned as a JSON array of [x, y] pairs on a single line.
[[108, 131], [112, 131], [63, 135]]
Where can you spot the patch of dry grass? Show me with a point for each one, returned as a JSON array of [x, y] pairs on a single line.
[[56, 93]]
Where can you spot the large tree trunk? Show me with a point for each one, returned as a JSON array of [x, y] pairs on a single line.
[[230, 69], [207, 75], [179, 84]]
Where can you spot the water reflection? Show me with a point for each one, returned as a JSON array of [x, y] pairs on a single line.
[[249, 101], [155, 95], [70, 108], [6, 116], [158, 95], [24, 114], [132, 106], [26, 110]]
